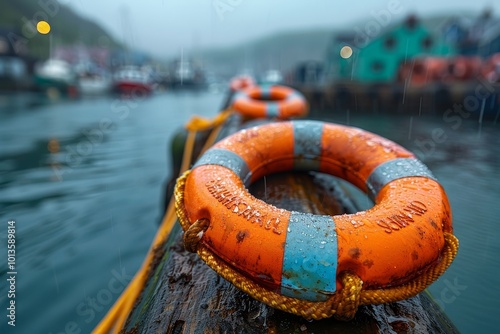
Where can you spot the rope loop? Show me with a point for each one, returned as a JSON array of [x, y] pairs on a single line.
[[194, 234], [350, 296]]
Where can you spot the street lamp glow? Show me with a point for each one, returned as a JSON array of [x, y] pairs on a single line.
[[43, 27], [346, 52]]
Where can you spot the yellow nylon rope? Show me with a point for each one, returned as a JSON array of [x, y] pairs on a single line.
[[342, 305], [116, 317]]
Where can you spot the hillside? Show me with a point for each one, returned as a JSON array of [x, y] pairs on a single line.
[[279, 51], [67, 27], [283, 51]]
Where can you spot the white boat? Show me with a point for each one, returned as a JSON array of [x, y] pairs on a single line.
[[93, 80], [94, 85], [56, 74]]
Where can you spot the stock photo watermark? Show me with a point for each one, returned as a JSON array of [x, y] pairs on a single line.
[[381, 19], [75, 154], [11, 273], [48, 10], [222, 7], [450, 293], [92, 306], [472, 103]]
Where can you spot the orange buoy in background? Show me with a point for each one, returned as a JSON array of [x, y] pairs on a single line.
[[241, 82], [462, 68], [303, 259], [421, 71], [491, 68], [270, 101]]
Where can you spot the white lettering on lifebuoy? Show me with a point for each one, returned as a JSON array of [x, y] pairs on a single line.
[[403, 218], [238, 206]]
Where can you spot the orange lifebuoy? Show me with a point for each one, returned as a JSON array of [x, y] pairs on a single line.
[[270, 101], [241, 82], [423, 70], [491, 68], [302, 255], [463, 68]]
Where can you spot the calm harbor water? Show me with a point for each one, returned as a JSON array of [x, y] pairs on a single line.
[[83, 180]]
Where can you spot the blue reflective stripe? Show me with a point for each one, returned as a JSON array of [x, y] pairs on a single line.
[[272, 109], [228, 159], [310, 259], [239, 96], [295, 96], [265, 92], [307, 144], [393, 170]]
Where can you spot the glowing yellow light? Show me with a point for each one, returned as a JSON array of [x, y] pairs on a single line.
[[43, 27], [53, 145], [346, 52]]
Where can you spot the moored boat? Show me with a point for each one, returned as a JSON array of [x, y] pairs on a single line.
[[94, 85], [92, 80], [132, 80], [186, 74], [56, 76]]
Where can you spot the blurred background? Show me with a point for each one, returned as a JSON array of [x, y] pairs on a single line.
[[91, 93]]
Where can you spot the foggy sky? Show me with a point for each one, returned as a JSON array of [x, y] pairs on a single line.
[[165, 27]]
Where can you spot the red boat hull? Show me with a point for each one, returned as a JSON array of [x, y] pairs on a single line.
[[129, 87]]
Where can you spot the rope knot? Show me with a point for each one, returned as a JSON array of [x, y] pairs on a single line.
[[194, 233], [350, 296]]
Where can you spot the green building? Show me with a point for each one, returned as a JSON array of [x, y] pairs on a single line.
[[374, 54]]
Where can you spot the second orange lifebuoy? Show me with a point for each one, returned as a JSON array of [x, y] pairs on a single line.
[[241, 82], [270, 101], [302, 255]]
